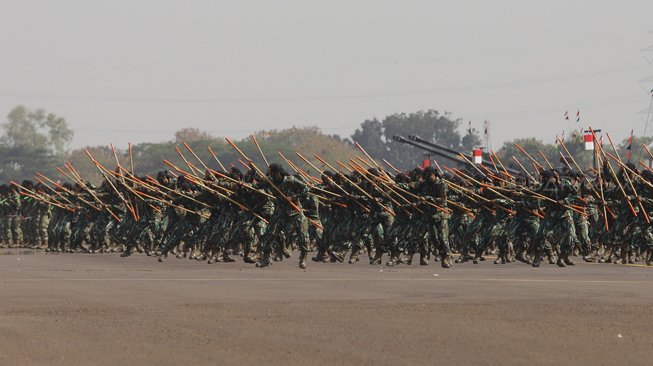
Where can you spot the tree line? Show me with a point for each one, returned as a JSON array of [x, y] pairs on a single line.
[[37, 141]]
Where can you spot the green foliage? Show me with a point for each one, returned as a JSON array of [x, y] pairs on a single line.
[[148, 157], [576, 147], [36, 141], [376, 137], [33, 140]]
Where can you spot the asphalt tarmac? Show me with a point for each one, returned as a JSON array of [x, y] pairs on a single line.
[[100, 309]]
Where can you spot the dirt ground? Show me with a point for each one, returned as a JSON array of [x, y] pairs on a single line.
[[84, 309]]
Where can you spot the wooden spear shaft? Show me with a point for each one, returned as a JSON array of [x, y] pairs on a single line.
[[545, 159], [528, 155], [260, 151], [286, 198], [522, 168], [630, 182], [616, 179], [216, 159]]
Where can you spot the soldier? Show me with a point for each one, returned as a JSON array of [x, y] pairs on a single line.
[[288, 221], [559, 222], [434, 219], [13, 229]]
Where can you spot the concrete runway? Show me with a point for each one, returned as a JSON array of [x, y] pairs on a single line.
[[85, 309]]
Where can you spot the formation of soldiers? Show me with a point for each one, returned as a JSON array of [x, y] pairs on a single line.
[[448, 216]]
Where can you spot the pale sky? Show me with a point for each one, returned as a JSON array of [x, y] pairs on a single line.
[[138, 71]]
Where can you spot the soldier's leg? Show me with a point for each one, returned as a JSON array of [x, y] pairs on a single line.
[[440, 232], [300, 231], [16, 231]]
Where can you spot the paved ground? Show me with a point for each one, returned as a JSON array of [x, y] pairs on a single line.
[[80, 309]]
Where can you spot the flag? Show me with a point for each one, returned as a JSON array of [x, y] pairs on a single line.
[[478, 156], [630, 146], [578, 116], [589, 141], [567, 115]]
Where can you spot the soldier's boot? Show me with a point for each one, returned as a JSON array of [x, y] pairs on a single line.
[[371, 251], [621, 259], [286, 252], [590, 257], [338, 255], [408, 260], [212, 259], [302, 259], [249, 257], [446, 261], [561, 262], [436, 256], [478, 257], [264, 261], [319, 257], [537, 258], [649, 258], [550, 255], [607, 259], [394, 258], [353, 258], [378, 256], [227, 258], [423, 258], [126, 253], [522, 258], [568, 261], [464, 257], [163, 256]]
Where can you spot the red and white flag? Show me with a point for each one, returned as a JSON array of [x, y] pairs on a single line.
[[589, 141], [478, 156]]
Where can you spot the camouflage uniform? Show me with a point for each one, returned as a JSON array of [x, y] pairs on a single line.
[[287, 225]]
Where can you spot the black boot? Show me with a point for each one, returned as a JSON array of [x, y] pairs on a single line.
[[394, 259], [302, 259], [377, 257], [537, 258], [423, 258], [265, 260], [353, 258], [446, 261]]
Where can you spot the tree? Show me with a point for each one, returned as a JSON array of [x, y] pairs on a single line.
[[377, 137], [533, 146], [191, 134], [637, 151], [32, 140], [471, 140], [370, 135]]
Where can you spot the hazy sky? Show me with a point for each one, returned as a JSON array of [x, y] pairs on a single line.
[[138, 71]]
